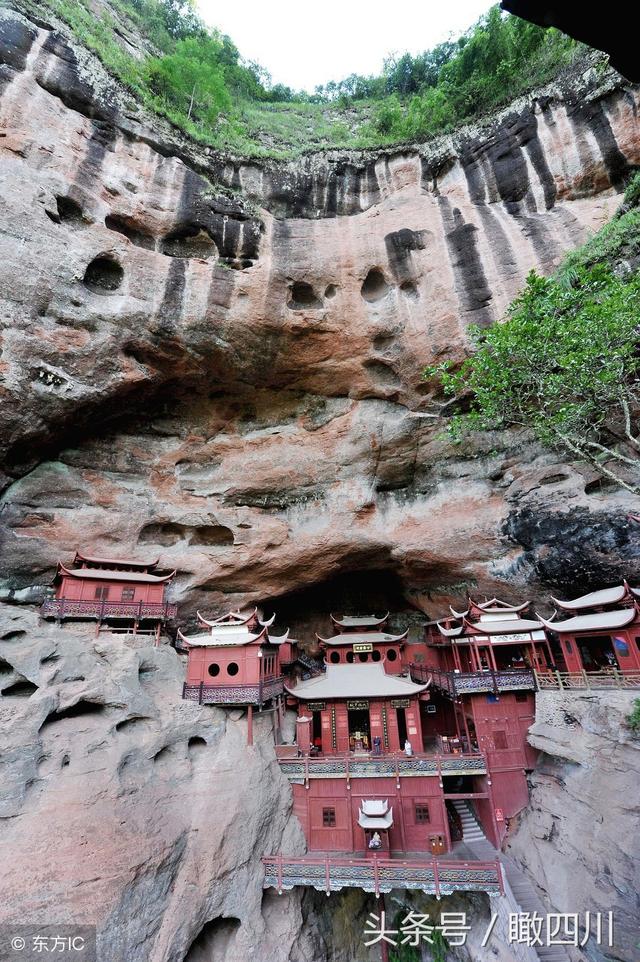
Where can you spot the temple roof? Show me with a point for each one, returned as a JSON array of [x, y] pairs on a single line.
[[375, 814], [359, 621], [357, 637], [230, 618], [107, 562], [367, 680], [449, 632], [601, 621], [595, 599], [224, 636], [503, 627], [497, 607], [140, 577]]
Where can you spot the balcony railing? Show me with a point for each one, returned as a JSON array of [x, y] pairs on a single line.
[[300, 770], [377, 875], [135, 610], [463, 683], [586, 680], [234, 694]]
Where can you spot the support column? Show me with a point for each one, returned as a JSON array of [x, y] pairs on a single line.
[[384, 946], [492, 657], [250, 725]]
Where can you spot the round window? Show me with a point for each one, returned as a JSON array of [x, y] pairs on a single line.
[[214, 670], [363, 656], [350, 657], [334, 657], [392, 654], [376, 656], [232, 668]]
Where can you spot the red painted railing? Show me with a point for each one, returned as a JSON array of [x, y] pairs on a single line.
[[331, 873], [69, 608], [390, 764]]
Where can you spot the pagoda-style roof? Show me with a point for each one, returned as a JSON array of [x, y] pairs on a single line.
[[601, 621], [81, 558], [595, 599], [226, 636], [497, 607], [509, 625], [100, 574], [368, 680], [356, 637], [230, 618], [449, 632], [359, 621], [375, 814]]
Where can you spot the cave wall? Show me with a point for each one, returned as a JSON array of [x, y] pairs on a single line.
[[221, 360]]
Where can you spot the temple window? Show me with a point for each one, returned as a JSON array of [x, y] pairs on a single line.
[[500, 740], [363, 656], [376, 656], [102, 592], [328, 817], [214, 670], [334, 657], [128, 594], [422, 812], [350, 657], [232, 668], [392, 654]]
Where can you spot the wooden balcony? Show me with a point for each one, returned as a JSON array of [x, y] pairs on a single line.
[[100, 609], [587, 680], [256, 694], [393, 765], [455, 683], [329, 873]]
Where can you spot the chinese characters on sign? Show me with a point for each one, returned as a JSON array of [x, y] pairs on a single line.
[[525, 928]]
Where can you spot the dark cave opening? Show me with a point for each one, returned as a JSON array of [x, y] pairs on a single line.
[[215, 939], [103, 275], [307, 610]]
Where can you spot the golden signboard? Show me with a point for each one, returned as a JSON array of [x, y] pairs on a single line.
[[316, 705], [400, 702], [357, 705], [359, 646]]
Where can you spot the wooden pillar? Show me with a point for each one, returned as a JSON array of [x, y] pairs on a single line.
[[492, 657], [456, 657], [250, 725]]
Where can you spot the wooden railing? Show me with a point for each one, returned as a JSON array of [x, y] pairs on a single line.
[[587, 680], [464, 683], [251, 694], [392, 765], [328, 873], [68, 608]]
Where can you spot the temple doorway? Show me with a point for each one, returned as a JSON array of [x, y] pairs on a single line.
[[359, 729], [316, 730], [402, 726], [597, 653]]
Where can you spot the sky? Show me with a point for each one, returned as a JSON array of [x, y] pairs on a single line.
[[306, 44]]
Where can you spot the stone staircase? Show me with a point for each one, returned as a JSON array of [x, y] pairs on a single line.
[[519, 891], [471, 831]]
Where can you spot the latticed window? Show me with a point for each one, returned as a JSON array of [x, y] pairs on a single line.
[[128, 594], [328, 817], [422, 812], [102, 592]]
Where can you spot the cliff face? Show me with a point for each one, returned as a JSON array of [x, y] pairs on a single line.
[[220, 360], [578, 838], [126, 808]]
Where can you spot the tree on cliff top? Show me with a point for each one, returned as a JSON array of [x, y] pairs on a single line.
[[192, 79], [566, 361]]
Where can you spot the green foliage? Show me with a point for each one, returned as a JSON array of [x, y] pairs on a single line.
[[633, 719], [235, 105], [565, 363], [191, 79]]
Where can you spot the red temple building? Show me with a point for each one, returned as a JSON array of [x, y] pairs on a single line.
[[600, 631], [234, 661], [381, 778], [119, 594]]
